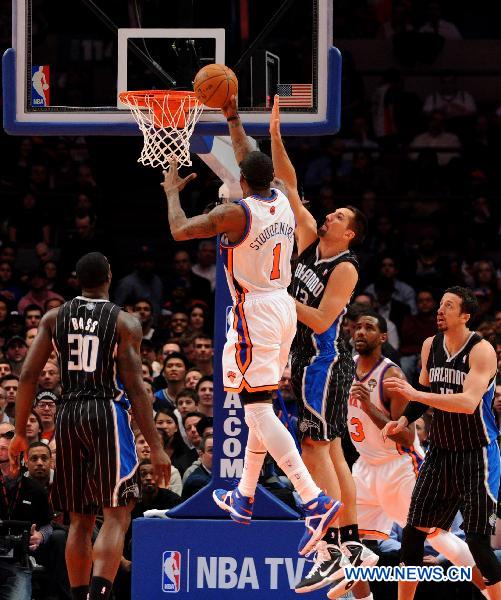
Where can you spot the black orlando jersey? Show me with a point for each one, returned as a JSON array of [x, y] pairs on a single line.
[[85, 337], [458, 431], [308, 286]]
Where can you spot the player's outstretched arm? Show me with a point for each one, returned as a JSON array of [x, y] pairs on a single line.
[[342, 282], [306, 228], [483, 365], [36, 358], [128, 359], [239, 140], [225, 218]]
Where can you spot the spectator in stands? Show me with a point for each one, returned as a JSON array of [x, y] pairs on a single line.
[[38, 293], [8, 253], [186, 402], [186, 341], [34, 428], [143, 309], [49, 378], [430, 270], [449, 99], [180, 455], [179, 324], [142, 448], [415, 329], [45, 407], [32, 316], [206, 262], [147, 370], [29, 222], [201, 476], [15, 350], [436, 137], [203, 354], [4, 367], [84, 239], [386, 304], [3, 405], [192, 377], [149, 355], [52, 303], [168, 348], [190, 421], [142, 283], [39, 464], [10, 383], [435, 23], [198, 288], [8, 289], [171, 381], [152, 496], [51, 272], [396, 113], [149, 391], [205, 392], [401, 291], [44, 253], [25, 500], [198, 319]]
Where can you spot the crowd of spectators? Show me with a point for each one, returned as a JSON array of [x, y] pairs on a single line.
[[423, 169]]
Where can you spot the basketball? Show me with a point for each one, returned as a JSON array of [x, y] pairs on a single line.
[[214, 85]]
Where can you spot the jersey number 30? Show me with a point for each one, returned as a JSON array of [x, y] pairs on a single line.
[[83, 352]]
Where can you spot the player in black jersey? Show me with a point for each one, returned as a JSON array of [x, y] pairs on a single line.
[[461, 470], [324, 279], [96, 459]]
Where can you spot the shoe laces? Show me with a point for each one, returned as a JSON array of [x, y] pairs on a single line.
[[346, 551]]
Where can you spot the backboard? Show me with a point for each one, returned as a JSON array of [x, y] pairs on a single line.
[[70, 60]]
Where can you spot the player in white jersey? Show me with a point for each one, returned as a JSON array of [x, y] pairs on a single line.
[[386, 471], [257, 237]]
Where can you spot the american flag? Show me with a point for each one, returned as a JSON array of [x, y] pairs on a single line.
[[295, 94]]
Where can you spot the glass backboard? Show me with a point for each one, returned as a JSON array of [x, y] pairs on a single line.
[[71, 59]]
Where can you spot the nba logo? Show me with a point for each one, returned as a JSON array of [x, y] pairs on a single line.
[[40, 86], [171, 571]]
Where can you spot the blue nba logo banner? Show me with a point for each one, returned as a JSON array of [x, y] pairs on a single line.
[[171, 571], [40, 86]]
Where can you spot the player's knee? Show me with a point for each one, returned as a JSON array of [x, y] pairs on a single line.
[[253, 397], [485, 559], [412, 550]]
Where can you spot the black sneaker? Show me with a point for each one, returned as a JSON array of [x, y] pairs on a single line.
[[358, 556], [328, 567]]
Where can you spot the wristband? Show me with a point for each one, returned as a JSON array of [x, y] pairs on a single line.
[[233, 118], [414, 411]]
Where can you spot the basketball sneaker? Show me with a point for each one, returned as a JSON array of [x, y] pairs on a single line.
[[320, 513], [358, 555], [232, 501], [328, 567]]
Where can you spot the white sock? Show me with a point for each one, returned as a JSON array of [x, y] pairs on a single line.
[[369, 597], [261, 419], [255, 453], [453, 548]]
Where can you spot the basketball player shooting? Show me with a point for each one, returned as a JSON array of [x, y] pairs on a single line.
[[257, 239], [96, 461], [461, 470]]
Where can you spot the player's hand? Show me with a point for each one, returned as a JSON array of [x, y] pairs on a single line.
[[394, 427], [361, 393], [275, 117], [172, 180], [230, 109], [401, 388], [18, 445], [162, 467]]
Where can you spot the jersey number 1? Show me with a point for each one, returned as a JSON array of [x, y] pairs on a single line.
[[83, 352], [275, 272]]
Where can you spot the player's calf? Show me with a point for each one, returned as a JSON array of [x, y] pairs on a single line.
[[485, 559]]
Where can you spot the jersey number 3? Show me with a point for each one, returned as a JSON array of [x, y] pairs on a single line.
[[275, 272], [358, 435], [83, 352]]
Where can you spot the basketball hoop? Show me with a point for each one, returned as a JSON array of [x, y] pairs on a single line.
[[167, 119]]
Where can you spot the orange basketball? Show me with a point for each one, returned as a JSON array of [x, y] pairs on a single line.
[[214, 85]]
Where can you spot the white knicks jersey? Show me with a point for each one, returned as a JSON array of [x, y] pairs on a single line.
[[261, 260], [365, 435]]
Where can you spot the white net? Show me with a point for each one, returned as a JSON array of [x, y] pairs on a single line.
[[166, 120]]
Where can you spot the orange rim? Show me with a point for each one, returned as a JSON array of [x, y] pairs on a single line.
[[157, 100]]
